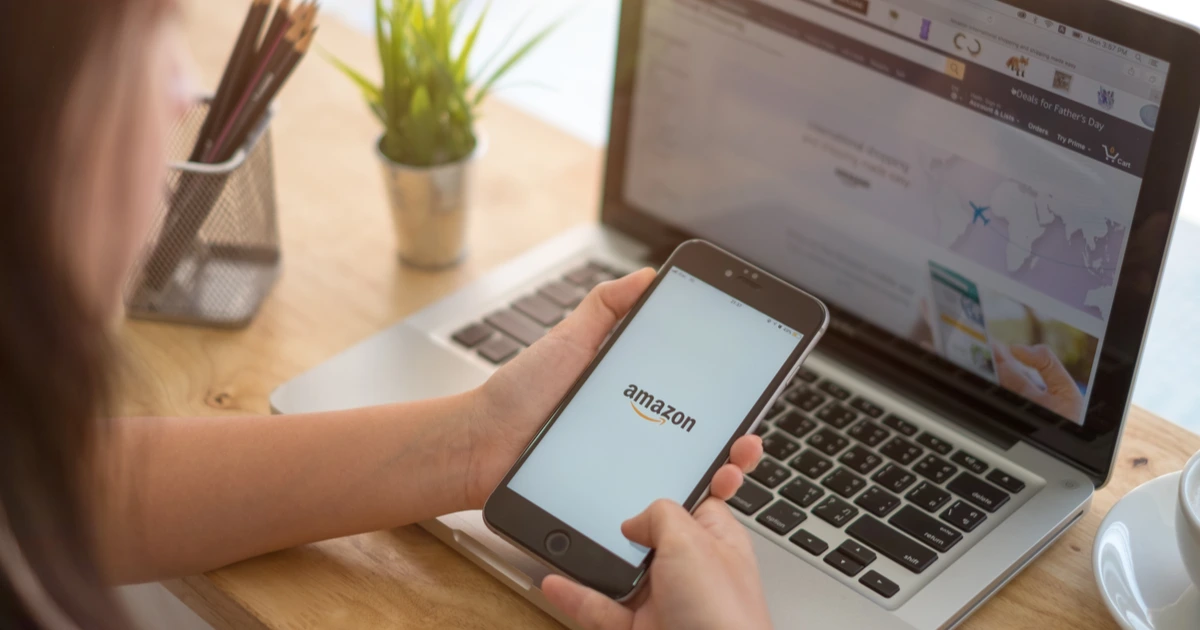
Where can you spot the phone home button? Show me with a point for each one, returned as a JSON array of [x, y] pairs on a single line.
[[557, 543]]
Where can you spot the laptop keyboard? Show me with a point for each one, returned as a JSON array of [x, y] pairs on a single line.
[[888, 489], [504, 333], [832, 457]]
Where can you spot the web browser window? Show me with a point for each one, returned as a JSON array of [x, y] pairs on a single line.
[[656, 412], [960, 174]]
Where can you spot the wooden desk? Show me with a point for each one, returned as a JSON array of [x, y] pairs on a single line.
[[342, 282]]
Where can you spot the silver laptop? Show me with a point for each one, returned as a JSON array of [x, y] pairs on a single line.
[[983, 194]]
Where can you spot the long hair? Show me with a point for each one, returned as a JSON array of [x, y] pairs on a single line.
[[54, 350]]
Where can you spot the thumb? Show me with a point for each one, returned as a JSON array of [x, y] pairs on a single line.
[[1042, 359], [715, 517], [604, 306], [589, 608], [661, 519]]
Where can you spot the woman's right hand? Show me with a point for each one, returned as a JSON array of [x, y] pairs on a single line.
[[703, 576]]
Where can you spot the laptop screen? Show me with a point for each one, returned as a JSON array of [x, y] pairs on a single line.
[[960, 174]]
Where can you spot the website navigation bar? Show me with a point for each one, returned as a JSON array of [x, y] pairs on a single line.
[[999, 95]]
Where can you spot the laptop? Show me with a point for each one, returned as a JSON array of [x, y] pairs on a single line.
[[983, 194]]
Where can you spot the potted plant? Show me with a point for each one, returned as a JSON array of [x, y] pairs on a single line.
[[428, 102]]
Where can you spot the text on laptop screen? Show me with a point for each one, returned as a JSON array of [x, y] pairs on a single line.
[[963, 175], [655, 413]]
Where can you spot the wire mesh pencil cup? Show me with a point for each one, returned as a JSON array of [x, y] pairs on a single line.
[[214, 251]]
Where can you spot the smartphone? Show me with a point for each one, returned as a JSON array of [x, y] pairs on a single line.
[[694, 365]]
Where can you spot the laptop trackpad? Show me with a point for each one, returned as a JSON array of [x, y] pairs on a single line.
[[398, 364]]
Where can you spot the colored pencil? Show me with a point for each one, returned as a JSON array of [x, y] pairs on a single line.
[[279, 68], [233, 80]]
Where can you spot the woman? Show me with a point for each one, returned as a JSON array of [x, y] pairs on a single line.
[[90, 91]]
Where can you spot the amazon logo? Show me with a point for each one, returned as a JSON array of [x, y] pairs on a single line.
[[660, 411]]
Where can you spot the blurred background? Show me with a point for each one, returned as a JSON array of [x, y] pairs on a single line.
[[567, 82]]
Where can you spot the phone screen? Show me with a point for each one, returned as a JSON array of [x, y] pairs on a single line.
[[657, 411]]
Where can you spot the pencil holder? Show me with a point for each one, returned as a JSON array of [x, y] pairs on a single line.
[[214, 251]]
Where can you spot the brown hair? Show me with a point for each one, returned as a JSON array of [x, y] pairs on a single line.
[[54, 353]]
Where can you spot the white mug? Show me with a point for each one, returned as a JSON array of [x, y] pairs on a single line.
[[1187, 518]]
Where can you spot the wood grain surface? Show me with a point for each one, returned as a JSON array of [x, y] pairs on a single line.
[[342, 282]]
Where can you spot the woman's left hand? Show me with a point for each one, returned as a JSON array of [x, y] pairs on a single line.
[[521, 395]]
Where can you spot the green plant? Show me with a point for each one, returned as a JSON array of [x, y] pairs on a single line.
[[428, 101]]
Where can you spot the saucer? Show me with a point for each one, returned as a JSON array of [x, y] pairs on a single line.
[[1137, 565]]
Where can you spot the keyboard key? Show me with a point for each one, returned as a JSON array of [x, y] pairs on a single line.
[[540, 310], [749, 498], [563, 294], [835, 511], [517, 326], [1006, 481], [806, 541], [472, 335], [801, 492], [901, 450], [860, 460], [963, 516], [932, 441], [837, 415], [806, 375], [499, 349], [892, 544], [843, 563], [868, 433], [894, 478], [828, 442], [762, 429], [617, 273], [935, 469], [928, 496], [925, 529], [876, 582], [770, 474], [856, 552], [811, 464], [779, 447], [877, 501], [844, 482], [833, 389], [588, 277], [972, 463], [865, 406], [978, 491], [782, 517], [900, 424], [796, 423], [776, 409], [805, 398]]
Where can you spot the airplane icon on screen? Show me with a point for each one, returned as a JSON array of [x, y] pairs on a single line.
[[979, 213]]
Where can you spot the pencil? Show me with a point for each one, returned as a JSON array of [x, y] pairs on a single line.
[[233, 80], [283, 14], [271, 86], [272, 48], [266, 85]]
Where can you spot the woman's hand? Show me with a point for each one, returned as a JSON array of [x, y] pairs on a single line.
[[520, 396], [704, 575]]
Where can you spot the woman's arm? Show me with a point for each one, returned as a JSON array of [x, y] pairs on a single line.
[[188, 495]]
